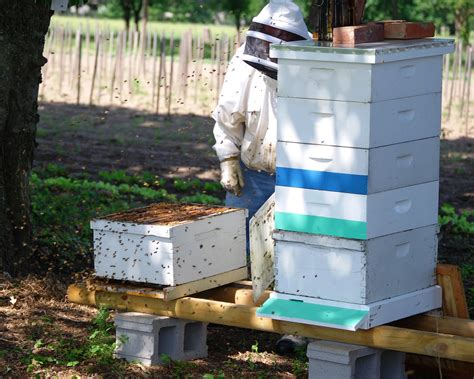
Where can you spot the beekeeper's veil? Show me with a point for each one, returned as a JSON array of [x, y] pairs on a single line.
[[280, 21]]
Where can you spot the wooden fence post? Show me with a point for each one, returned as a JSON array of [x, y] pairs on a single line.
[[79, 60], [171, 81], [118, 53], [218, 60], [446, 77], [453, 83], [162, 72], [94, 70], [468, 96], [457, 89], [464, 80], [199, 64], [61, 61]]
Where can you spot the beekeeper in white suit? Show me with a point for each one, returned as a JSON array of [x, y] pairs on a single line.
[[245, 129], [246, 124]]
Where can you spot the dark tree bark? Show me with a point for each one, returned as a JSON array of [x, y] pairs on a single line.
[[394, 9], [126, 13], [130, 7], [23, 26], [137, 10]]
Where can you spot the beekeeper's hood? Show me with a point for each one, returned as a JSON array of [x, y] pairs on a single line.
[[280, 21]]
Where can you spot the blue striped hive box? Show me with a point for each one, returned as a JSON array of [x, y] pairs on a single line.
[[357, 193]]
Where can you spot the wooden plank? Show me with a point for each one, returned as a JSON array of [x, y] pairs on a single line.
[[167, 293], [395, 29], [454, 298], [353, 35], [262, 247], [172, 293], [428, 367], [454, 304], [359, 6], [241, 293], [383, 337], [446, 325]]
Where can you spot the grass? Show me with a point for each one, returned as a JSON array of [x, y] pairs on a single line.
[[64, 205], [116, 25], [98, 347]]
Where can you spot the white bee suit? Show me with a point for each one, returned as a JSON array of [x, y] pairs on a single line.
[[245, 116]]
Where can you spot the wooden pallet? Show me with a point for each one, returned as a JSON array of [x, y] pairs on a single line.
[[163, 292]]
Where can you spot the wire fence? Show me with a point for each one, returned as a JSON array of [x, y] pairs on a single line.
[[164, 73], [148, 70], [457, 82]]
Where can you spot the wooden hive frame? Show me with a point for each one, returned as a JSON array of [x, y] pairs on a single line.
[[438, 337]]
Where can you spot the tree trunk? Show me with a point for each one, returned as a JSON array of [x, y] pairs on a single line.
[[394, 9], [23, 26], [238, 17], [137, 9], [126, 13]]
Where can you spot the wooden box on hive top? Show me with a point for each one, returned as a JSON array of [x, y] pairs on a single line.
[[170, 244]]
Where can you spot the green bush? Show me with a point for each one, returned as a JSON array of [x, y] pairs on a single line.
[[458, 223]]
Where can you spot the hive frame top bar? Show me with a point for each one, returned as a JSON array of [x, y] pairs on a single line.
[[367, 53]]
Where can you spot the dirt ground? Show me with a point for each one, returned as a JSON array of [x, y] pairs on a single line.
[[93, 139], [40, 312]]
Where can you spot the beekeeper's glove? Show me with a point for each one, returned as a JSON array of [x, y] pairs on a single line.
[[232, 178]]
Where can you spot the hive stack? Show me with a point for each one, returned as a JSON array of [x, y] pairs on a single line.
[[357, 182]]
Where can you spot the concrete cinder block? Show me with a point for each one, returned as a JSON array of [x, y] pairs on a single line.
[[342, 361], [146, 338]]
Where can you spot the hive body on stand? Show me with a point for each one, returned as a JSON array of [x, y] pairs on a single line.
[[170, 244], [357, 184]]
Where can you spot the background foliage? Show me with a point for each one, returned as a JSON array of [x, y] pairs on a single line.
[[447, 13]]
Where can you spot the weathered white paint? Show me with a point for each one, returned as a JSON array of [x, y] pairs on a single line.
[[365, 83], [353, 271], [170, 254], [360, 125], [381, 312], [262, 248], [385, 212]]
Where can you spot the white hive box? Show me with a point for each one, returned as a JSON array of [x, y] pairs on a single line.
[[360, 125], [359, 171], [366, 96], [170, 244], [355, 216], [351, 271], [366, 73]]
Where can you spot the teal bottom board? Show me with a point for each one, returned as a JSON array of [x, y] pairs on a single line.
[[315, 314]]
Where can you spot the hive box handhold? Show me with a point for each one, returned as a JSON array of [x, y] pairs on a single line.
[[353, 35], [170, 244]]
